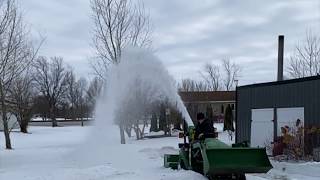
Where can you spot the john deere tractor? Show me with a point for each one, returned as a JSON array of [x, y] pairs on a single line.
[[215, 159]]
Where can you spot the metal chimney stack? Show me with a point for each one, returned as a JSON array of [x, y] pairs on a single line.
[[280, 57]]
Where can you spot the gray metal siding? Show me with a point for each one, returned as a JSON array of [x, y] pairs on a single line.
[[298, 94]]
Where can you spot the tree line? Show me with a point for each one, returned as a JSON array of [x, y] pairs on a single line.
[[49, 88], [61, 92], [214, 77], [32, 84]]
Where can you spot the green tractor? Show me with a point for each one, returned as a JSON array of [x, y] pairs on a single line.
[[215, 159]]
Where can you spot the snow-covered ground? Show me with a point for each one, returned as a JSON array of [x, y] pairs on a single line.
[[64, 153], [51, 153]]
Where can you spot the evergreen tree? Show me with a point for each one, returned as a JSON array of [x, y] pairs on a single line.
[[228, 119], [154, 123], [162, 119]]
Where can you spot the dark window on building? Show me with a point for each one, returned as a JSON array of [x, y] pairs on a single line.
[[222, 109]]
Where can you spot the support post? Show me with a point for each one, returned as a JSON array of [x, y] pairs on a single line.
[[275, 124], [236, 115]]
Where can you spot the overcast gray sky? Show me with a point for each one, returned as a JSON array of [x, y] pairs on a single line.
[[187, 33]]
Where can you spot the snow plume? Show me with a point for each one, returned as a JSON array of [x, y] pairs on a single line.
[[134, 86]]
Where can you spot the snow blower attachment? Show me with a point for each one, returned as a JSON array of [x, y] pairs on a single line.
[[217, 160]]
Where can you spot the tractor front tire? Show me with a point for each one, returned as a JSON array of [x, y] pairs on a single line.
[[241, 177], [227, 176]]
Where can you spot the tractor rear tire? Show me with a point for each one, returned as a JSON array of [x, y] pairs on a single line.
[[182, 165]]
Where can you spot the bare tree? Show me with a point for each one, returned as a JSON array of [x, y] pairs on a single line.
[[16, 54], [217, 80], [201, 86], [231, 73], [188, 85], [93, 92], [81, 102], [212, 76], [71, 93], [305, 61], [51, 80], [22, 94], [118, 23], [137, 107]]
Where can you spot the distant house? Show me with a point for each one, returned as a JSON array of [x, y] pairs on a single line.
[[212, 103]]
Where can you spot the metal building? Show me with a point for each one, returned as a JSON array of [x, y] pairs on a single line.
[[262, 109]]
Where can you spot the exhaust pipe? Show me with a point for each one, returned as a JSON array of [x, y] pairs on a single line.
[[280, 57]]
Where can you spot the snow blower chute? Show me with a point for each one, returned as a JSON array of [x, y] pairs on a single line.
[[215, 159]]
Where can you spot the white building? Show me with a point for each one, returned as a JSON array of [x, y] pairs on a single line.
[[12, 121]]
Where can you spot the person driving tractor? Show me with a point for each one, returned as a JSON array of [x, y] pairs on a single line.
[[203, 127]]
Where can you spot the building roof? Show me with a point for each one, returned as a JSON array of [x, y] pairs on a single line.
[[207, 96], [274, 83]]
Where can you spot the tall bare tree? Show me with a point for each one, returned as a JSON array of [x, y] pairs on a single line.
[[221, 80], [305, 60], [16, 54], [51, 80], [231, 73], [212, 76], [118, 23]]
